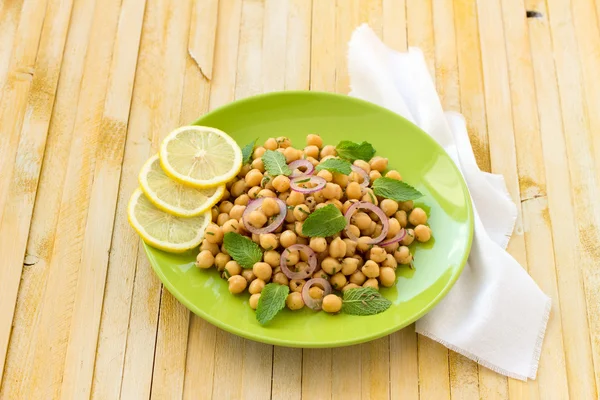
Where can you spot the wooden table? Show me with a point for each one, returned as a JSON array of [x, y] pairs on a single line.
[[91, 86]]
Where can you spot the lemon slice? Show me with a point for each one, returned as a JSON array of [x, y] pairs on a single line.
[[174, 197], [200, 156], [163, 230]]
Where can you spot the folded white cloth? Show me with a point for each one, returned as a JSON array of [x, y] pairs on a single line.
[[495, 314]]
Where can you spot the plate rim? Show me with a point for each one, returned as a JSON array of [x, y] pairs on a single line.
[[348, 342]]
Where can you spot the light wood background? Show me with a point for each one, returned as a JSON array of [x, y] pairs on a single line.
[[91, 86]]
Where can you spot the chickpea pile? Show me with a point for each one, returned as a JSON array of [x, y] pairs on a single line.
[[344, 262]]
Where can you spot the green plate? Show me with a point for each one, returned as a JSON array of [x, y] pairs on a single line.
[[422, 163]]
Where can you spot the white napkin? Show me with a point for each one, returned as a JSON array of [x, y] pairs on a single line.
[[495, 314]]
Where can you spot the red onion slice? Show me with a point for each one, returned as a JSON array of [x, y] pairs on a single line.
[[363, 173], [301, 163], [312, 262], [311, 303], [317, 180], [253, 205], [371, 207], [399, 236]]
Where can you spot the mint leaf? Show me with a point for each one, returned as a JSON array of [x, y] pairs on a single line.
[[324, 222], [395, 189], [364, 301], [247, 151], [271, 301], [355, 151], [275, 163], [242, 249], [336, 165]]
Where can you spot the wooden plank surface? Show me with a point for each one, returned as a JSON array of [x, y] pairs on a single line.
[[82, 315]]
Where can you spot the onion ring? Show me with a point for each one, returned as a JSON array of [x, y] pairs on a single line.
[[311, 303], [253, 205], [371, 207], [301, 163], [363, 173], [320, 182], [312, 262], [398, 238]]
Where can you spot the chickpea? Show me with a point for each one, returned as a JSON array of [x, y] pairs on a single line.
[[330, 265], [338, 281], [256, 238], [401, 217], [237, 284], [370, 197], [256, 218], [253, 192], [408, 239], [314, 140], [403, 256], [354, 191], [292, 258], [353, 229], [393, 228], [281, 183], [389, 207], [363, 165], [318, 197], [298, 229], [310, 202], [315, 292], [422, 233], [272, 257], [269, 207], [222, 218], [379, 163], [320, 205], [377, 230], [370, 269], [205, 259], [253, 301], [242, 200], [373, 282], [346, 205], [283, 196], [213, 234], [417, 217], [225, 207], [284, 142], [328, 176], [301, 212], [337, 248], [248, 275], [295, 198], [338, 204], [268, 241], [370, 230], [233, 268], [389, 262], [340, 179], [258, 164], [281, 279], [377, 254], [226, 195], [387, 276], [232, 225], [223, 250], [350, 286], [361, 220], [391, 248], [237, 211], [294, 301], [289, 216], [393, 174], [253, 177], [406, 205], [270, 144], [292, 154], [221, 259], [313, 161], [320, 274], [214, 213], [318, 244], [363, 243], [256, 286], [258, 152], [212, 247], [332, 303], [280, 150], [361, 262], [266, 193], [287, 239], [350, 247], [328, 150], [311, 151], [374, 175], [262, 270], [243, 171], [349, 265], [296, 285]]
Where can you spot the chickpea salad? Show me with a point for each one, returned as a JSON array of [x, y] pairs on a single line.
[[322, 226]]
